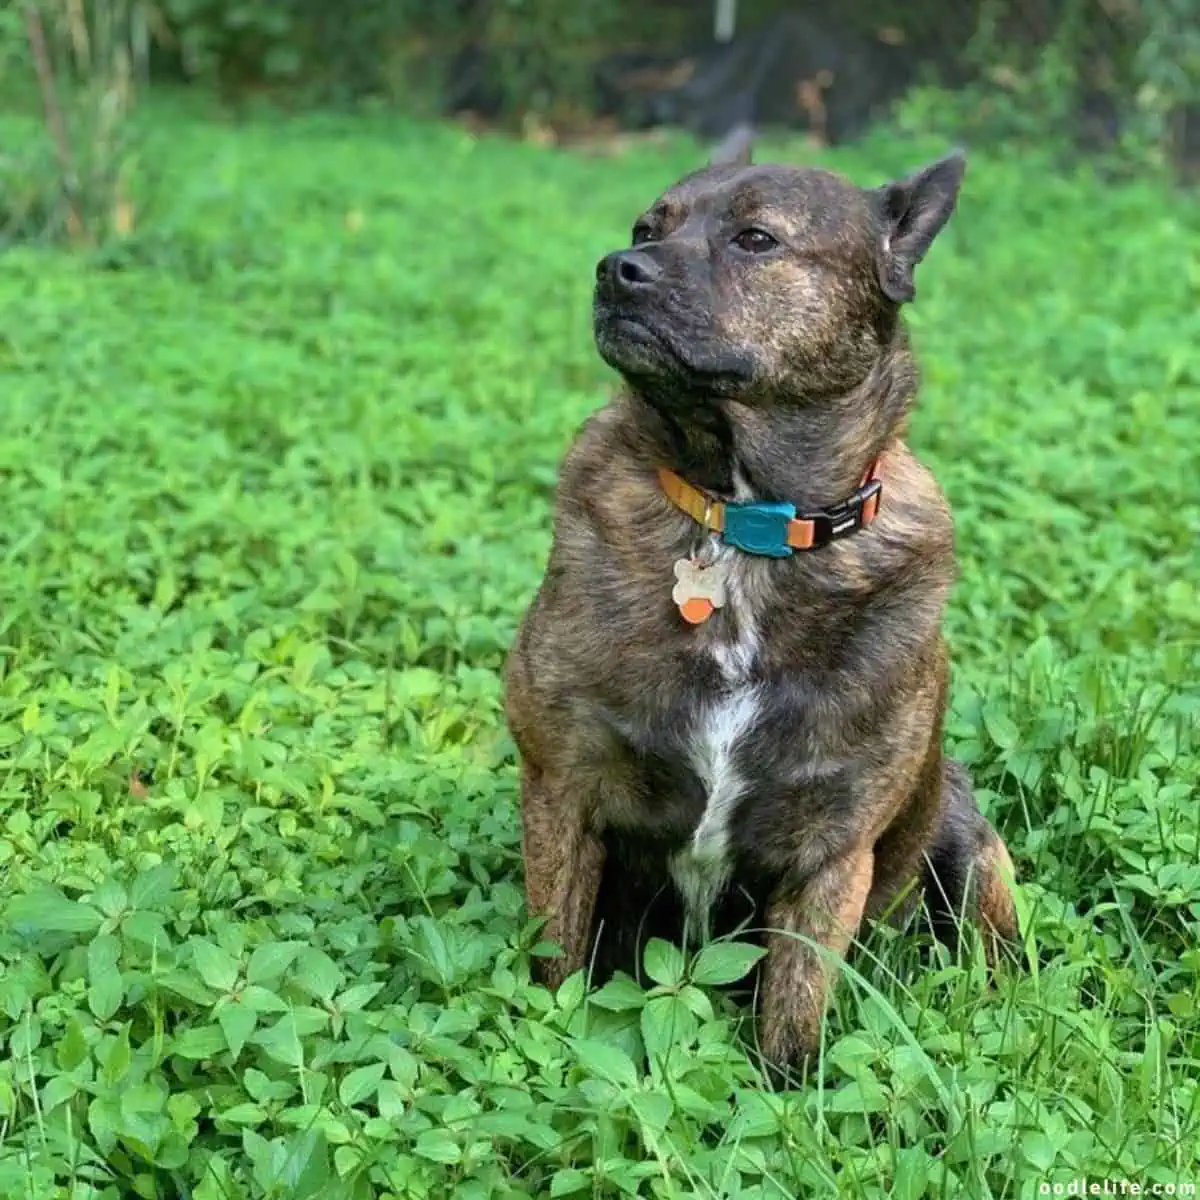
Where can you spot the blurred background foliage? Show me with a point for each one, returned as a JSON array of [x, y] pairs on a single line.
[[1119, 78]]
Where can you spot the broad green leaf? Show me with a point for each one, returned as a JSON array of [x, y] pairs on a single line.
[[606, 1062], [151, 888], [146, 928], [621, 994], [104, 1121], [282, 1043], [862, 1094], [347, 1160], [200, 1042], [141, 1098], [237, 1022], [570, 1182], [103, 955], [653, 1110], [172, 1152], [115, 1057], [724, 962], [416, 683], [264, 1089], [262, 1000], [356, 998], [105, 995], [269, 961], [185, 984], [391, 1100], [307, 1169], [663, 962], [438, 1145], [106, 988], [912, 1173], [267, 1158], [1001, 727], [570, 994], [111, 898], [697, 1001], [1039, 1151], [757, 1115], [25, 1038], [360, 1084], [243, 1114], [183, 1110], [216, 967], [666, 1021], [72, 1050], [218, 1182], [60, 1089], [47, 910], [317, 974]]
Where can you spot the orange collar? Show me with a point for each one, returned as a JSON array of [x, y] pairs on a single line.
[[775, 529]]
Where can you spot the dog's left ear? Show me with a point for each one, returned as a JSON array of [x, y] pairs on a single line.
[[913, 212], [736, 149]]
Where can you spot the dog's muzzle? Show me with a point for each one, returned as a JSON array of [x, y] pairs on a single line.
[[626, 275]]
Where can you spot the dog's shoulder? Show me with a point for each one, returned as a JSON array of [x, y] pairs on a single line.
[[606, 452], [914, 531], [607, 489], [914, 506]]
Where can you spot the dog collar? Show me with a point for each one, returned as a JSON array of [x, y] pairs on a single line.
[[775, 530]]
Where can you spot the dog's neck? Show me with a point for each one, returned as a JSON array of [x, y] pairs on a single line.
[[811, 453]]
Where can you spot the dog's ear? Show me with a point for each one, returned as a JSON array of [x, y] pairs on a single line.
[[736, 148], [913, 212]]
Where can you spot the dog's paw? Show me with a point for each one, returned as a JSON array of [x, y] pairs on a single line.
[[789, 1055]]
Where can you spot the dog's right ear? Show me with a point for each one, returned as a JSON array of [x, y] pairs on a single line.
[[913, 212], [736, 149]]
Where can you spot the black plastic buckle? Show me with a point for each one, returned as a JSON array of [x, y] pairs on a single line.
[[841, 520]]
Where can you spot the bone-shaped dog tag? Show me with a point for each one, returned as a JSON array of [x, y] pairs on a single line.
[[698, 591]]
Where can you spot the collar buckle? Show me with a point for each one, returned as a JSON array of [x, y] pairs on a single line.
[[841, 520]]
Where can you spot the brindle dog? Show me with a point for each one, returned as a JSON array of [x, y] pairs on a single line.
[[782, 759]]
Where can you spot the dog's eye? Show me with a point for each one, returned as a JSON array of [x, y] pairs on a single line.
[[642, 233], [755, 241]]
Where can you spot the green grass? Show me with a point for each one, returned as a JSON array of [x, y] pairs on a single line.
[[276, 479]]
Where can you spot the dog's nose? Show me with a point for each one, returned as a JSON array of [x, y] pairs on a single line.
[[627, 270]]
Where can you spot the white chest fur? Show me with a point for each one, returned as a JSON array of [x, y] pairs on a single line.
[[701, 870]]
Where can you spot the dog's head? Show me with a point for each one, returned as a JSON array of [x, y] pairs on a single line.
[[766, 284]]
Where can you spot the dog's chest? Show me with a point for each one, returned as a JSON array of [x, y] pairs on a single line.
[[720, 725]]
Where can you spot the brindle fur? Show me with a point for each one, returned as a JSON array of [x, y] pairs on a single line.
[[778, 375]]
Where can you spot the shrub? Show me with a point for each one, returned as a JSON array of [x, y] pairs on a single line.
[[85, 63]]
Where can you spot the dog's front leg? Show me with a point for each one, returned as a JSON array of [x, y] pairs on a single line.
[[564, 861], [824, 911]]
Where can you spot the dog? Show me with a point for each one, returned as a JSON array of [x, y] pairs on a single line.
[[727, 695]]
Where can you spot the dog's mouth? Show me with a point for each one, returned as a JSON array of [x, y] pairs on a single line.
[[626, 341], [638, 331], [641, 348]]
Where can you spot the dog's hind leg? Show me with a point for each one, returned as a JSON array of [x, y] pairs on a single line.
[[968, 871], [564, 862]]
